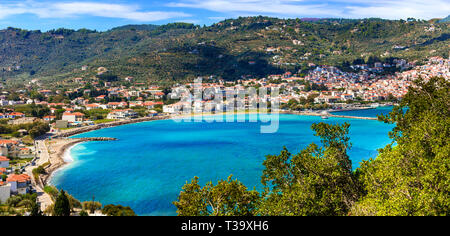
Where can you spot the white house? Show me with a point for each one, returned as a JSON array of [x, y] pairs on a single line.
[[115, 105], [19, 183], [4, 162], [122, 114], [169, 109], [73, 117], [5, 191]]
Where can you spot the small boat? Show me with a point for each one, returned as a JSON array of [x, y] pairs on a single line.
[[324, 117]]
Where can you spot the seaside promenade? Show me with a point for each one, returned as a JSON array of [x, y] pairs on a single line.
[[42, 158]]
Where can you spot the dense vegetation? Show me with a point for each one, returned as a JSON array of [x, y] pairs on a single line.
[[66, 205], [411, 177], [20, 204], [34, 129], [229, 49]]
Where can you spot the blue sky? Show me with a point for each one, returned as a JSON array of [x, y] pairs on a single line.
[[103, 15]]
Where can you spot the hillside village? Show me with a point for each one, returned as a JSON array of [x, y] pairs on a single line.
[[28, 114]]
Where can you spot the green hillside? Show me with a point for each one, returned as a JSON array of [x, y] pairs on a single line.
[[254, 46], [446, 19]]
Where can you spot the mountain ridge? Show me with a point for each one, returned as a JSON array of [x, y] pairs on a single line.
[[254, 46], [445, 20]]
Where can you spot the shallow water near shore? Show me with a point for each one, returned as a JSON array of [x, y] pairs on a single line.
[[146, 168]]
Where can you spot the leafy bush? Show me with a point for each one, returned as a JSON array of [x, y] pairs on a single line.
[[117, 210]]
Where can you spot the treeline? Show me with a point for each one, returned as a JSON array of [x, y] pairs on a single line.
[[19, 205], [66, 205], [34, 129], [33, 110], [304, 104], [410, 177]]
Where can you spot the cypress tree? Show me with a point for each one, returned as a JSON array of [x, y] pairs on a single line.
[[62, 205]]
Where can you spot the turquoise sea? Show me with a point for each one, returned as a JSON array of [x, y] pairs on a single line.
[[384, 110], [146, 168]]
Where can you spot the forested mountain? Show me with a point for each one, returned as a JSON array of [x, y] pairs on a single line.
[[446, 19], [255, 46]]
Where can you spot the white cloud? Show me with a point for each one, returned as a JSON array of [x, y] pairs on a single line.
[[74, 9], [279, 7], [401, 9], [389, 9], [218, 18]]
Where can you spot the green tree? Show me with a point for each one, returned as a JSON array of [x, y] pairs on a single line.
[[227, 198], [36, 210], [412, 178], [92, 206], [317, 181], [84, 213], [117, 210], [62, 205]]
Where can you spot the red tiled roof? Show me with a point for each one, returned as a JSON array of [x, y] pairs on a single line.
[[18, 178], [92, 105], [73, 114], [3, 158], [7, 141]]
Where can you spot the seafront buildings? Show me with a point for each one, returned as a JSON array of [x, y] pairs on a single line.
[[324, 87], [342, 87]]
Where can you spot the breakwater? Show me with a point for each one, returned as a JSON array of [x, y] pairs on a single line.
[[353, 117], [95, 139], [327, 114], [351, 109]]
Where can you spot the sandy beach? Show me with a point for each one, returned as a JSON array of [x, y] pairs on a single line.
[[57, 152]]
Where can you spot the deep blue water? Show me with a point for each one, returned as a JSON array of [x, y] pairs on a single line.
[[366, 113], [150, 163]]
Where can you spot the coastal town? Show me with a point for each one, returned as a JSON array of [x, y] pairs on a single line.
[[35, 121]]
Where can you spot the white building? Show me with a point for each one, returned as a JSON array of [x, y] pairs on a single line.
[[4, 162], [122, 114], [169, 109], [19, 183], [73, 117], [5, 192]]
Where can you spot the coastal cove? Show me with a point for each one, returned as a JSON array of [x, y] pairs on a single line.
[[150, 162]]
